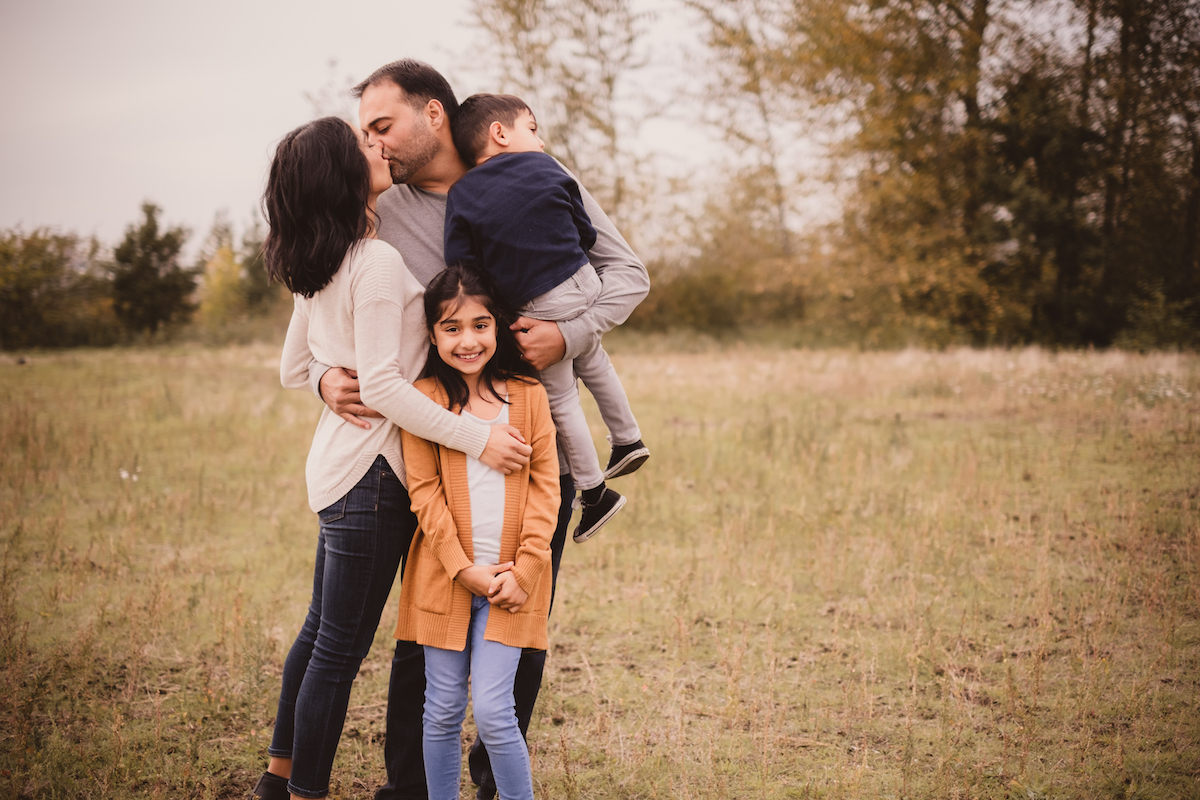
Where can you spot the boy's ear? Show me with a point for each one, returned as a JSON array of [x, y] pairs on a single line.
[[497, 134]]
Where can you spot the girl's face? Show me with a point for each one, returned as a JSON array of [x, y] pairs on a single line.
[[465, 335]]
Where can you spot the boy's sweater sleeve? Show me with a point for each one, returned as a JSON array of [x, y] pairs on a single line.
[[583, 222], [429, 503], [459, 246], [532, 563]]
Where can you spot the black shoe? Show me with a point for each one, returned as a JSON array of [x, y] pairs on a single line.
[[480, 767], [271, 787], [595, 514], [626, 458]]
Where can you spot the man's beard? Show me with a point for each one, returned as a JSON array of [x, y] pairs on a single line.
[[420, 151]]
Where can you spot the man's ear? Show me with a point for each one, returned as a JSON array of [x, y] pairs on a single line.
[[497, 134], [436, 114]]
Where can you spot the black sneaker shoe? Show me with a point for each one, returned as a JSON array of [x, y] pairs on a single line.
[[596, 514], [271, 787], [626, 458]]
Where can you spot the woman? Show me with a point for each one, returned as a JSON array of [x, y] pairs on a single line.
[[358, 307]]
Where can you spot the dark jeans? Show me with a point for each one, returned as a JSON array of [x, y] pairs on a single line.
[[358, 551], [406, 695]]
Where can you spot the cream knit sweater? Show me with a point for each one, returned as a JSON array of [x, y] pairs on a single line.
[[369, 318]]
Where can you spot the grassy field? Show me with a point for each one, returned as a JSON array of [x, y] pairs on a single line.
[[841, 575]]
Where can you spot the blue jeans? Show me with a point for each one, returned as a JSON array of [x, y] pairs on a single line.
[[406, 691], [491, 668], [359, 548]]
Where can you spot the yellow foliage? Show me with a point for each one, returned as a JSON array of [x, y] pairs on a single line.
[[222, 297]]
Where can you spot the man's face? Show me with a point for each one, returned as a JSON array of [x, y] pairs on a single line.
[[404, 133]]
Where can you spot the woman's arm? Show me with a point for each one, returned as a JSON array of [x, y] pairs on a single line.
[[293, 364], [379, 300]]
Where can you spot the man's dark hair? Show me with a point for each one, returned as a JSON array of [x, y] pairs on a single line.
[[419, 81], [315, 204], [444, 294], [469, 125]]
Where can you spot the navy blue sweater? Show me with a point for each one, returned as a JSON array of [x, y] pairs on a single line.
[[520, 217]]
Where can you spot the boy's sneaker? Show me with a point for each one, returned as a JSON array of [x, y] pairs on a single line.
[[596, 514], [626, 458]]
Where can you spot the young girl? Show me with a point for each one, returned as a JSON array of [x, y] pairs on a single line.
[[477, 583], [356, 306]]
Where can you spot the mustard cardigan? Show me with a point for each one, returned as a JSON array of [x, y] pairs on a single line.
[[434, 609]]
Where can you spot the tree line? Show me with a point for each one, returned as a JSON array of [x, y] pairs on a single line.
[[59, 290], [1000, 172], [1006, 172]]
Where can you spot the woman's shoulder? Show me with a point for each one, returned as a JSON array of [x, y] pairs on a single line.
[[376, 252], [377, 263]]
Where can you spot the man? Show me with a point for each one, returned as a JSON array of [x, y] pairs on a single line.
[[405, 108]]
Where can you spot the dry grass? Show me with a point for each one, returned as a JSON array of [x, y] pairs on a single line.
[[961, 574]]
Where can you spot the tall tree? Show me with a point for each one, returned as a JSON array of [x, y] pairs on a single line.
[[572, 61], [747, 94], [150, 288]]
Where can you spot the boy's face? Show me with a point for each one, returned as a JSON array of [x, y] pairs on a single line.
[[522, 136]]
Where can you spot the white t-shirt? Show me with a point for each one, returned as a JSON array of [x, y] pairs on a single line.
[[486, 487]]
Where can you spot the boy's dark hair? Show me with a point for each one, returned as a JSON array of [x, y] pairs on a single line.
[[315, 204], [451, 286], [419, 81], [469, 125]]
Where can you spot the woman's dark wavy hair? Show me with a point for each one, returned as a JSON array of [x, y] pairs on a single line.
[[443, 295], [315, 204]]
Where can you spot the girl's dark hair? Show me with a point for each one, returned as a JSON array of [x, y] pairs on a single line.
[[446, 292], [315, 204]]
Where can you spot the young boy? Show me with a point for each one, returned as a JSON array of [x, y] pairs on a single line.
[[519, 215]]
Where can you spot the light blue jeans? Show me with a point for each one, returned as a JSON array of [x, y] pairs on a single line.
[[491, 667]]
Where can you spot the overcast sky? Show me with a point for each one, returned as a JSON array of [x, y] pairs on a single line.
[[106, 104]]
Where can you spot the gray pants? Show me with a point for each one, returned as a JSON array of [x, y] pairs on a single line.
[[565, 302]]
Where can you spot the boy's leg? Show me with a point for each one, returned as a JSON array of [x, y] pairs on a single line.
[[574, 435], [600, 377]]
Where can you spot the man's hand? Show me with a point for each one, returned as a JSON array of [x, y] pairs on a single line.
[[506, 593], [506, 450], [339, 390], [540, 340], [479, 578]]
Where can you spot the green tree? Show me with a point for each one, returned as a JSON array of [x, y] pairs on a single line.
[[256, 284], [150, 288], [52, 294]]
